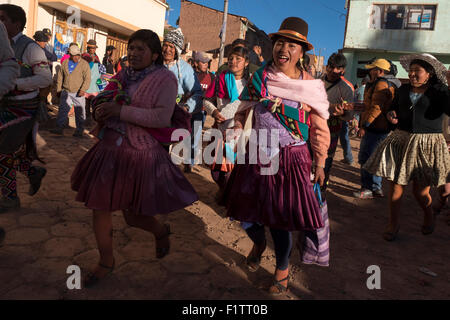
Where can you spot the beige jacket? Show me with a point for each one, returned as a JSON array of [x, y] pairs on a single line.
[[79, 79]]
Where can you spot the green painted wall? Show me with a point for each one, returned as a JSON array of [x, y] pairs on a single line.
[[363, 43], [353, 56]]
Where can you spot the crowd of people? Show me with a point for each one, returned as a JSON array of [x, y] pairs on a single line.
[[154, 91]]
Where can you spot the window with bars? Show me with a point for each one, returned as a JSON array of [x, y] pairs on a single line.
[[408, 17]]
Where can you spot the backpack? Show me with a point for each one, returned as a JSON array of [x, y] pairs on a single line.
[[391, 126], [374, 84]]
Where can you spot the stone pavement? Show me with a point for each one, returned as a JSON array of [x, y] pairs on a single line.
[[52, 231]]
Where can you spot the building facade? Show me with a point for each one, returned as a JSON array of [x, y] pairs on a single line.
[[102, 20], [392, 28]]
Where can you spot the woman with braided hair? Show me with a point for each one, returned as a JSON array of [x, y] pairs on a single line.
[[129, 169]]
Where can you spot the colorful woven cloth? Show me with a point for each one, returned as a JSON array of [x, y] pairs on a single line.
[[115, 92], [296, 121]]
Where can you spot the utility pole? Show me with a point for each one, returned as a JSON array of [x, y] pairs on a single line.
[[223, 31]]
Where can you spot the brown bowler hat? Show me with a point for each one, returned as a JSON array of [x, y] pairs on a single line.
[[294, 28], [92, 43]]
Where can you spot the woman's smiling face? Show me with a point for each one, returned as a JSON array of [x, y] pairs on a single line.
[[286, 53], [418, 76], [237, 64]]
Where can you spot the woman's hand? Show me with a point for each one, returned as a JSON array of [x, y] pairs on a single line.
[[392, 117], [319, 175], [218, 116], [107, 110]]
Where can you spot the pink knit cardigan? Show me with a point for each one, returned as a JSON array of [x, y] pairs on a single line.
[[145, 97]]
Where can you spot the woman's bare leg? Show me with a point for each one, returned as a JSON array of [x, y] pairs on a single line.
[[103, 234], [423, 197], [395, 198]]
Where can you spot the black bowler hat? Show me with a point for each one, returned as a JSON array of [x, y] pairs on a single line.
[[40, 36], [294, 28], [47, 31]]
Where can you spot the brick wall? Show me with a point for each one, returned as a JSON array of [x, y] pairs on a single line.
[[201, 26]]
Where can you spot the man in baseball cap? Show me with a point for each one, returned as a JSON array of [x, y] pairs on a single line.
[[374, 127], [73, 81], [382, 64]]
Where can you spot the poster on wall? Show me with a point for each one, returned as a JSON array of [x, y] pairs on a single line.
[[425, 20], [61, 44]]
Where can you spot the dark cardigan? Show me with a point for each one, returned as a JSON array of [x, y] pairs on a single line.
[[427, 115]]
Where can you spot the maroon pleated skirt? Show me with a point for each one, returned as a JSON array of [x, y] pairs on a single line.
[[115, 176], [284, 200]]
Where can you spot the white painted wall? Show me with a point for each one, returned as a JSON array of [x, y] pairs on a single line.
[[101, 40], [145, 14], [45, 19]]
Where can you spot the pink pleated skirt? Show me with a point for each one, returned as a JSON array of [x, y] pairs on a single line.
[[114, 175]]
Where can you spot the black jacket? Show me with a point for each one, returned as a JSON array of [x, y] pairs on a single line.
[[427, 115]]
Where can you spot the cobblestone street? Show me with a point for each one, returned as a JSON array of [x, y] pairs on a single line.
[[51, 231]]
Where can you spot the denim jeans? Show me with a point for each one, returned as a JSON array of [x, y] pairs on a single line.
[[197, 121], [369, 143], [67, 100], [345, 142]]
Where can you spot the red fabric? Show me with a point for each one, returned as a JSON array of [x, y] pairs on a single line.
[[206, 79], [86, 56], [222, 91]]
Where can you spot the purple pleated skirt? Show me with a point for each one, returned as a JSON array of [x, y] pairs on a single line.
[[284, 201], [115, 176]]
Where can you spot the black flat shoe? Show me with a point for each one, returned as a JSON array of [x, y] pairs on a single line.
[[92, 280], [161, 252], [254, 259]]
